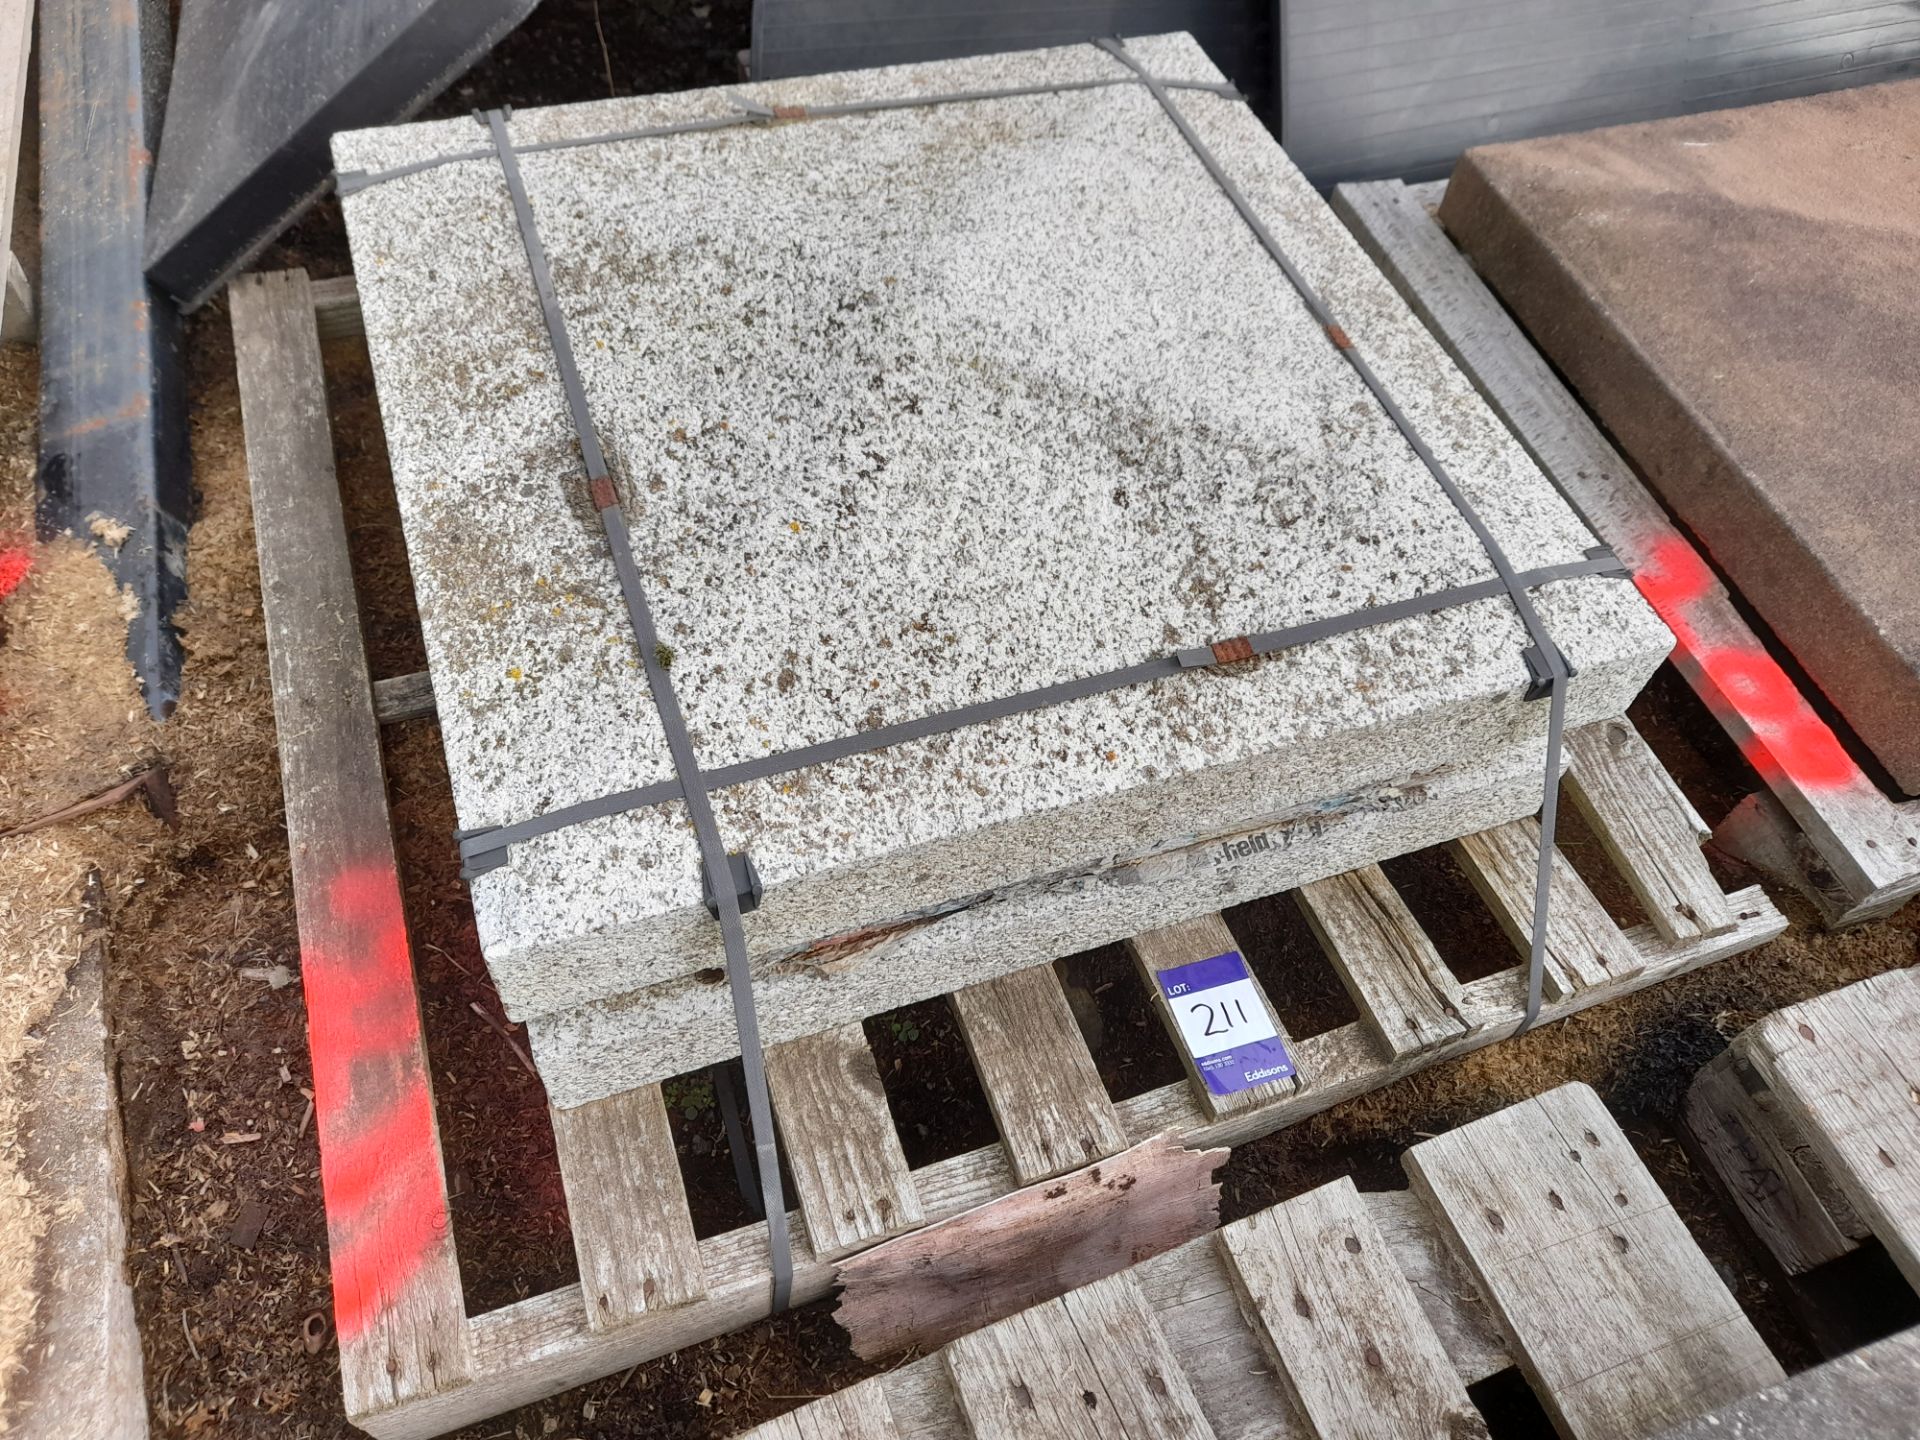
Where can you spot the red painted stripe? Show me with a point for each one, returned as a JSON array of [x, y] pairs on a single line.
[[379, 1163], [16, 561], [1788, 739]]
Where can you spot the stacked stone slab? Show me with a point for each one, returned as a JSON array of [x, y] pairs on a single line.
[[908, 410], [1733, 294]]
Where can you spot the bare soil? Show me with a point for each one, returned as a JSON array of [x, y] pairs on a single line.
[[228, 1246]]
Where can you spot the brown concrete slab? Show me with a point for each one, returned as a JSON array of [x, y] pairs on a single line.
[[1737, 297]]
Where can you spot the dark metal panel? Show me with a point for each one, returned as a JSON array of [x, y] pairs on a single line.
[[1373, 88], [113, 439], [260, 87], [812, 37]]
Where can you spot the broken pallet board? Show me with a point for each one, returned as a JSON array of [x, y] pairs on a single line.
[[1181, 1318], [924, 1289]]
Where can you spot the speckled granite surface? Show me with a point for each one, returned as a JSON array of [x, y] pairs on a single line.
[[910, 409]]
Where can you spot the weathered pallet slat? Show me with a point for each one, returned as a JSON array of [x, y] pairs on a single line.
[[1201, 939], [858, 1413], [1561, 1224], [1146, 1390], [1744, 1145], [1342, 1325], [397, 1303], [403, 697], [632, 1230], [1584, 947], [1042, 1086], [336, 309], [1091, 1364], [1406, 994], [1845, 1067], [1648, 829], [849, 1172], [1870, 844]]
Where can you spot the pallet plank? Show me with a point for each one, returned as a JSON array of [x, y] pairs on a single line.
[[1868, 842], [1846, 1068], [1342, 1325], [1561, 1223], [1183, 944], [1406, 994], [398, 1309], [1041, 1084], [1024, 1378], [336, 308], [1092, 1364], [1647, 827], [849, 1172], [1584, 947], [857, 1413], [1754, 1162], [632, 1230], [1145, 1388], [403, 697]]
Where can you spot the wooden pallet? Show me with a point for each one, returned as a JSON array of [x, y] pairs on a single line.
[[414, 1363], [1811, 1122], [1825, 826], [1338, 1314]]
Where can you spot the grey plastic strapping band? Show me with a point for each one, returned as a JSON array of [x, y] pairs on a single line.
[[1544, 660], [486, 849], [743, 1177], [686, 764]]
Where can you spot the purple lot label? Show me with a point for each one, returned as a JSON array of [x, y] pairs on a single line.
[[1225, 1023]]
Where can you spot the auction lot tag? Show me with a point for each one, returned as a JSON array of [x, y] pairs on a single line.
[[1225, 1024]]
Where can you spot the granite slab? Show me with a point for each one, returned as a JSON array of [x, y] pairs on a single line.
[[907, 410], [1733, 295], [604, 1047]]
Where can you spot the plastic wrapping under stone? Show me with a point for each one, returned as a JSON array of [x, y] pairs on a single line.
[[908, 410]]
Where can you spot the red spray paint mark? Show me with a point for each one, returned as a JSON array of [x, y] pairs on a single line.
[[1788, 739], [15, 562], [379, 1163]]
